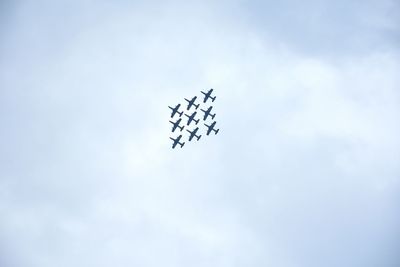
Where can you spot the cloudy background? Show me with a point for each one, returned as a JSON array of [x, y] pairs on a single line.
[[305, 171]]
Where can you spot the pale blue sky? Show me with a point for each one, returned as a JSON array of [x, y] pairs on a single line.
[[305, 171]]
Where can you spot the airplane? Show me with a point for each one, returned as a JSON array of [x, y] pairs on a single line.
[[176, 141], [193, 134], [207, 113], [191, 103], [176, 125], [208, 95], [191, 118], [211, 128], [176, 110]]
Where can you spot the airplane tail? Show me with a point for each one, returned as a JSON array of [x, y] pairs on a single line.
[[213, 116], [197, 106], [180, 113], [198, 137], [216, 131], [181, 127], [213, 98], [197, 121], [182, 144]]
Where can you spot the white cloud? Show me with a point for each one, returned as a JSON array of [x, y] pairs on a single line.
[[303, 173]]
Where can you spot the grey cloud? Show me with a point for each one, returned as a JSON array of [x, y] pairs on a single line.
[[327, 28]]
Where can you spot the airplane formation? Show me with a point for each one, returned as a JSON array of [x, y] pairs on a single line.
[[191, 117]]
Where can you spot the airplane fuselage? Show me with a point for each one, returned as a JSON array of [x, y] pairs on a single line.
[[208, 113], [192, 103], [208, 95], [194, 134], [175, 110], [176, 125], [211, 128], [176, 141], [191, 118]]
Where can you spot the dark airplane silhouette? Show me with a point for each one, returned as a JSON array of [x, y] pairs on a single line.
[[207, 113], [208, 95], [191, 103], [211, 128], [176, 141], [176, 125], [193, 134], [191, 118], [175, 110]]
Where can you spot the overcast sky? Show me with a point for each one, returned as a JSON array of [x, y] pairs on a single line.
[[305, 171]]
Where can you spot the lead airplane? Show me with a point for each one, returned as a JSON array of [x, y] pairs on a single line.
[[208, 95], [208, 113], [191, 118], [211, 128], [176, 125], [176, 141], [175, 110], [191, 103], [193, 134]]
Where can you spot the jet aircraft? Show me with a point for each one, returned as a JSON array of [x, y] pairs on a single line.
[[208, 95], [191, 103], [191, 118], [193, 134], [176, 110], [176, 125], [176, 141], [208, 113], [211, 128]]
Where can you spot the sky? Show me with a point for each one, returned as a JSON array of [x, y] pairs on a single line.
[[305, 171]]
